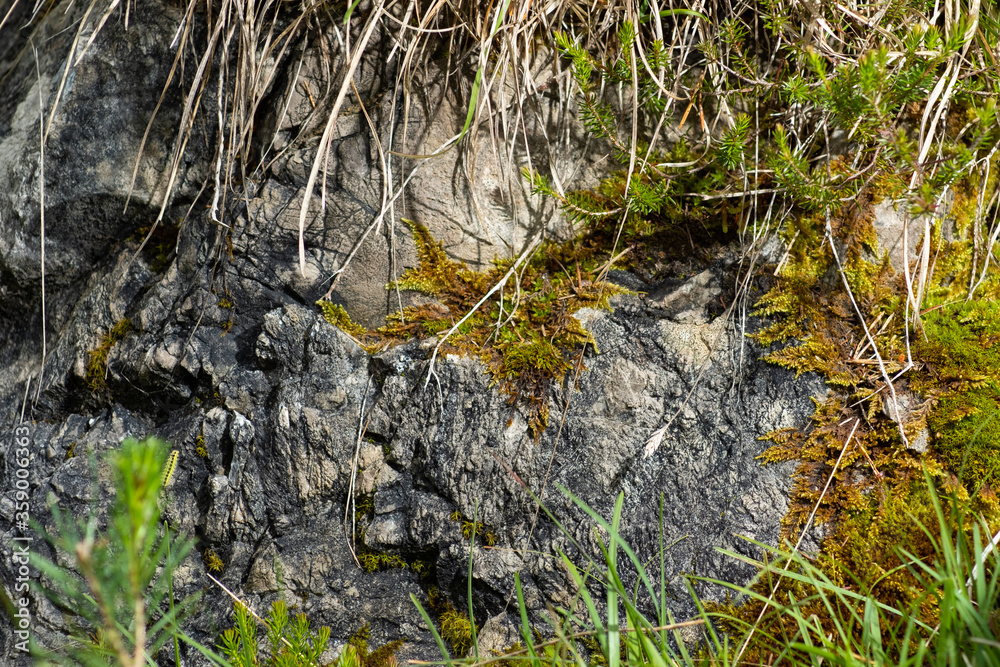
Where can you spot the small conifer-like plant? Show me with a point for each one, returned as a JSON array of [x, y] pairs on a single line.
[[292, 642], [119, 593]]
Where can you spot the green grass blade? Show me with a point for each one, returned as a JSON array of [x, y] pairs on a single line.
[[472, 550], [525, 625], [434, 632], [613, 631]]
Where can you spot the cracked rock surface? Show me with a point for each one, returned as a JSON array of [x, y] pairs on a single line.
[[270, 406]]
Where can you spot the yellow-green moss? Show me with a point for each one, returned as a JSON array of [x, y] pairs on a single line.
[[383, 656], [823, 193], [475, 528], [525, 348], [436, 273], [199, 448], [335, 314], [97, 359], [372, 560], [456, 628], [878, 499], [212, 561], [962, 351], [877, 535]]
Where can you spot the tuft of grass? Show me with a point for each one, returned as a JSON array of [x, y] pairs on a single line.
[[249, 47], [807, 617]]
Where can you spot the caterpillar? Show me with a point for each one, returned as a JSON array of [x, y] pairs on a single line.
[[168, 469]]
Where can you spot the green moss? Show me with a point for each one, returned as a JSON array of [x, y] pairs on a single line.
[[335, 314], [870, 551], [383, 656], [199, 447], [212, 561], [97, 359], [437, 274], [596, 653], [877, 499], [364, 507], [525, 347], [486, 535], [456, 628], [835, 303], [962, 354], [378, 561], [372, 560]]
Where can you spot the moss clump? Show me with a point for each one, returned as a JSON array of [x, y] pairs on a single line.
[[212, 561], [456, 628], [199, 446], [478, 529], [335, 314], [372, 560], [880, 532], [437, 274], [383, 656], [872, 551], [967, 430], [525, 346], [877, 498], [962, 356], [526, 343], [97, 359]]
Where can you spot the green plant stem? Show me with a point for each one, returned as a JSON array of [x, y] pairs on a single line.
[[84, 550]]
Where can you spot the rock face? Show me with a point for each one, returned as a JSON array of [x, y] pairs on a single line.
[[227, 354]]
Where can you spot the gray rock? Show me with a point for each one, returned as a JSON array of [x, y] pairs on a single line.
[[282, 402]]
